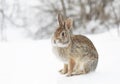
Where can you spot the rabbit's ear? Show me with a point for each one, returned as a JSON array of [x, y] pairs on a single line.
[[60, 19], [69, 23]]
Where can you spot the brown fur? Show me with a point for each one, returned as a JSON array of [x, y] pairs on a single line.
[[78, 53]]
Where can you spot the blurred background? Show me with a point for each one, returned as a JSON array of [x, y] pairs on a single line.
[[37, 19], [25, 47]]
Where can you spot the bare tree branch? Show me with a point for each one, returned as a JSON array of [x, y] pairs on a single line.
[[64, 8]]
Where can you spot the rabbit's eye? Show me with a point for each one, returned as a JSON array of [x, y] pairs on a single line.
[[63, 33]]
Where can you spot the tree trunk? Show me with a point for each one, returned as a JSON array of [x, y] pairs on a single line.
[[63, 8], [2, 24]]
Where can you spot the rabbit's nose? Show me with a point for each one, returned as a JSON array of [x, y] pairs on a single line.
[[54, 41], [57, 41]]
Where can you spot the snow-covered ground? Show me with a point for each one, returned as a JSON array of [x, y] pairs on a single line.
[[32, 62]]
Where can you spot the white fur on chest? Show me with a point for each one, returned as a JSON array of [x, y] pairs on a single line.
[[60, 54]]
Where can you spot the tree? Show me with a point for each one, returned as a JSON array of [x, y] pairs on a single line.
[[10, 13]]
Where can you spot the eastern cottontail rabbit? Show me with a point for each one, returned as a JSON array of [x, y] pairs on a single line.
[[76, 51]]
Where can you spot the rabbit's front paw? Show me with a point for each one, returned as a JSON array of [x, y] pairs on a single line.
[[62, 71], [69, 74]]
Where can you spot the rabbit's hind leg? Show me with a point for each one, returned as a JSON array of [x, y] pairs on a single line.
[[79, 69], [85, 66]]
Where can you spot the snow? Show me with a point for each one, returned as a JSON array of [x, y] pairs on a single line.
[[32, 62]]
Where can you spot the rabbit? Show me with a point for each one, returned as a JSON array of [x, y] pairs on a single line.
[[77, 52]]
